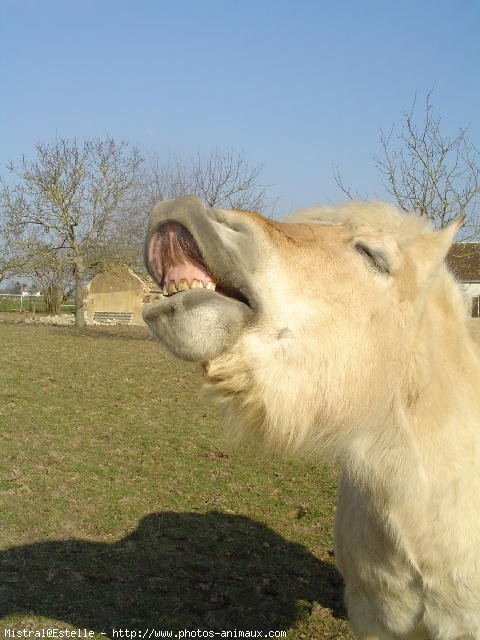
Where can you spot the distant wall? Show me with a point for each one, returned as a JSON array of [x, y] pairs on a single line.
[[471, 289], [119, 291]]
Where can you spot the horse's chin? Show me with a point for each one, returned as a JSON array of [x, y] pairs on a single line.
[[197, 324]]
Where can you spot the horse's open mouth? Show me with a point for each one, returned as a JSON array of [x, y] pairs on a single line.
[[203, 260], [177, 264]]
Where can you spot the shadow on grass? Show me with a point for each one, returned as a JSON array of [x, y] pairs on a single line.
[[175, 571]]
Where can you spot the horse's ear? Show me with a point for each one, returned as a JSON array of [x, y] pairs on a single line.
[[431, 249], [445, 237]]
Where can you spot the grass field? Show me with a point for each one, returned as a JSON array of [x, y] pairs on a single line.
[[123, 508], [30, 304]]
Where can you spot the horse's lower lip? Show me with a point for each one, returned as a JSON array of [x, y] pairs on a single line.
[[197, 324]]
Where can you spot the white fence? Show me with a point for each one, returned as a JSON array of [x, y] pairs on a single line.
[[28, 302]]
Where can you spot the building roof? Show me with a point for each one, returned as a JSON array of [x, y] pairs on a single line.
[[116, 278], [463, 260]]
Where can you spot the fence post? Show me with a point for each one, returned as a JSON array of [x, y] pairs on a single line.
[[476, 306]]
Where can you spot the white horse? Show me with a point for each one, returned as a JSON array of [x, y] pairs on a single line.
[[341, 333]]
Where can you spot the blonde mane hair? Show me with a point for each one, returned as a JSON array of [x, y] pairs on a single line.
[[379, 215]]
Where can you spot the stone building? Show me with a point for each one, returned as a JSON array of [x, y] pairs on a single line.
[[464, 261], [116, 296]]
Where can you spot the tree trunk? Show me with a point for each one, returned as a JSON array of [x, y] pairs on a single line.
[[79, 310], [53, 295]]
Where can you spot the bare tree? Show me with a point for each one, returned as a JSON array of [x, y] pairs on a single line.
[[52, 273], [11, 261], [165, 180], [426, 171], [221, 179], [225, 179], [68, 198]]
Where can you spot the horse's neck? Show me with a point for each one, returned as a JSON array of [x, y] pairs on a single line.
[[427, 449]]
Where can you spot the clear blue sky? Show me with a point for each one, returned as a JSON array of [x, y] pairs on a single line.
[[297, 86]]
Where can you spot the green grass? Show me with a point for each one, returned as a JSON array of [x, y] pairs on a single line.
[[122, 507], [28, 305]]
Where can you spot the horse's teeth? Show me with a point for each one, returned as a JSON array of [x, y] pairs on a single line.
[[183, 285]]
